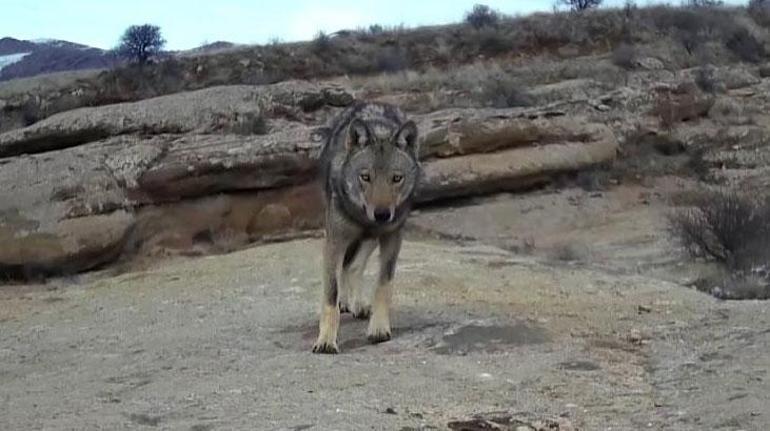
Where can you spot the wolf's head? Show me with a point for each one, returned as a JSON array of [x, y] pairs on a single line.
[[381, 170]]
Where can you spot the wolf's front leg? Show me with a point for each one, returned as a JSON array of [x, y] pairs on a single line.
[[353, 266], [330, 313], [379, 323]]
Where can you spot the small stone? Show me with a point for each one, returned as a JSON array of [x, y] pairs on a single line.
[[650, 63], [635, 337], [643, 309]]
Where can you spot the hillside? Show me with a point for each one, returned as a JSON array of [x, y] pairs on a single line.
[[27, 58]]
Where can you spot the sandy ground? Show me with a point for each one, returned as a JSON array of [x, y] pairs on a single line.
[[603, 342]]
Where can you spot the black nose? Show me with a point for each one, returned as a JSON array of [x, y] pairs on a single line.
[[382, 214]]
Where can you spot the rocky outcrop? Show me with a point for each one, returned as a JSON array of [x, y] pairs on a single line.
[[79, 206], [239, 109], [509, 169]]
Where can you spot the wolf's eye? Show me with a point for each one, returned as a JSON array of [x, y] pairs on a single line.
[[397, 178], [365, 177]]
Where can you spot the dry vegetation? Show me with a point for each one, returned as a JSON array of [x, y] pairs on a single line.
[[691, 34], [734, 230]]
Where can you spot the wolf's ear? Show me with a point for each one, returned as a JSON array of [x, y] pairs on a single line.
[[406, 138], [359, 135]]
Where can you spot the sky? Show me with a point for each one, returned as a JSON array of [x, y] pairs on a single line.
[[189, 23]]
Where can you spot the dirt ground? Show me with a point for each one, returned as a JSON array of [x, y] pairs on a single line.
[[563, 306]]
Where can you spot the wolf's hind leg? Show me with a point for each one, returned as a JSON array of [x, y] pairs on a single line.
[[379, 323], [359, 299]]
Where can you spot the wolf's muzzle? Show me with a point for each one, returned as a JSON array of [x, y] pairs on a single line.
[[383, 215]]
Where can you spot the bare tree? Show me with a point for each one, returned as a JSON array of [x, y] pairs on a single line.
[[581, 5], [140, 43]]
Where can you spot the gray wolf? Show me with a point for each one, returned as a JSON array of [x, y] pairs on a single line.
[[370, 169]]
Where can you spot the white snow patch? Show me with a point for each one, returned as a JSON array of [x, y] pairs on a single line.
[[7, 60]]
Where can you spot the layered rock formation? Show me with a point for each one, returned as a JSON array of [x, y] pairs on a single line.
[[229, 165]]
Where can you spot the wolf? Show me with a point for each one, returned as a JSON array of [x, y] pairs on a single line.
[[370, 170]]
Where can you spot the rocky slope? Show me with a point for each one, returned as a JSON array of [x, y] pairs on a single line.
[[218, 168]]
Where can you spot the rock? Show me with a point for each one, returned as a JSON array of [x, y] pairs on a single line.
[[199, 165], [569, 90], [198, 191], [727, 110], [731, 77], [520, 167], [60, 212], [67, 246], [212, 110], [454, 132], [764, 71], [225, 222], [650, 63]]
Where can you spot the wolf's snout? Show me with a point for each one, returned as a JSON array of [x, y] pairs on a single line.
[[382, 215]]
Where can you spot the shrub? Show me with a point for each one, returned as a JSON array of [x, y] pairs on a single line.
[[140, 43], [704, 3], [503, 92], [391, 60], [376, 29], [624, 56], [764, 71], [692, 27], [482, 16], [705, 80], [673, 107], [490, 41], [581, 5], [759, 11], [746, 46], [322, 42], [248, 123], [726, 226], [30, 113]]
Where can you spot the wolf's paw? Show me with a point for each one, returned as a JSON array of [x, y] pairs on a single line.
[[325, 347], [378, 335], [344, 308]]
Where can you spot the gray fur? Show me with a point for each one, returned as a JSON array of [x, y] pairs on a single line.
[[370, 169]]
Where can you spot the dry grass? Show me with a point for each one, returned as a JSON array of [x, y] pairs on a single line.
[[367, 52]]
